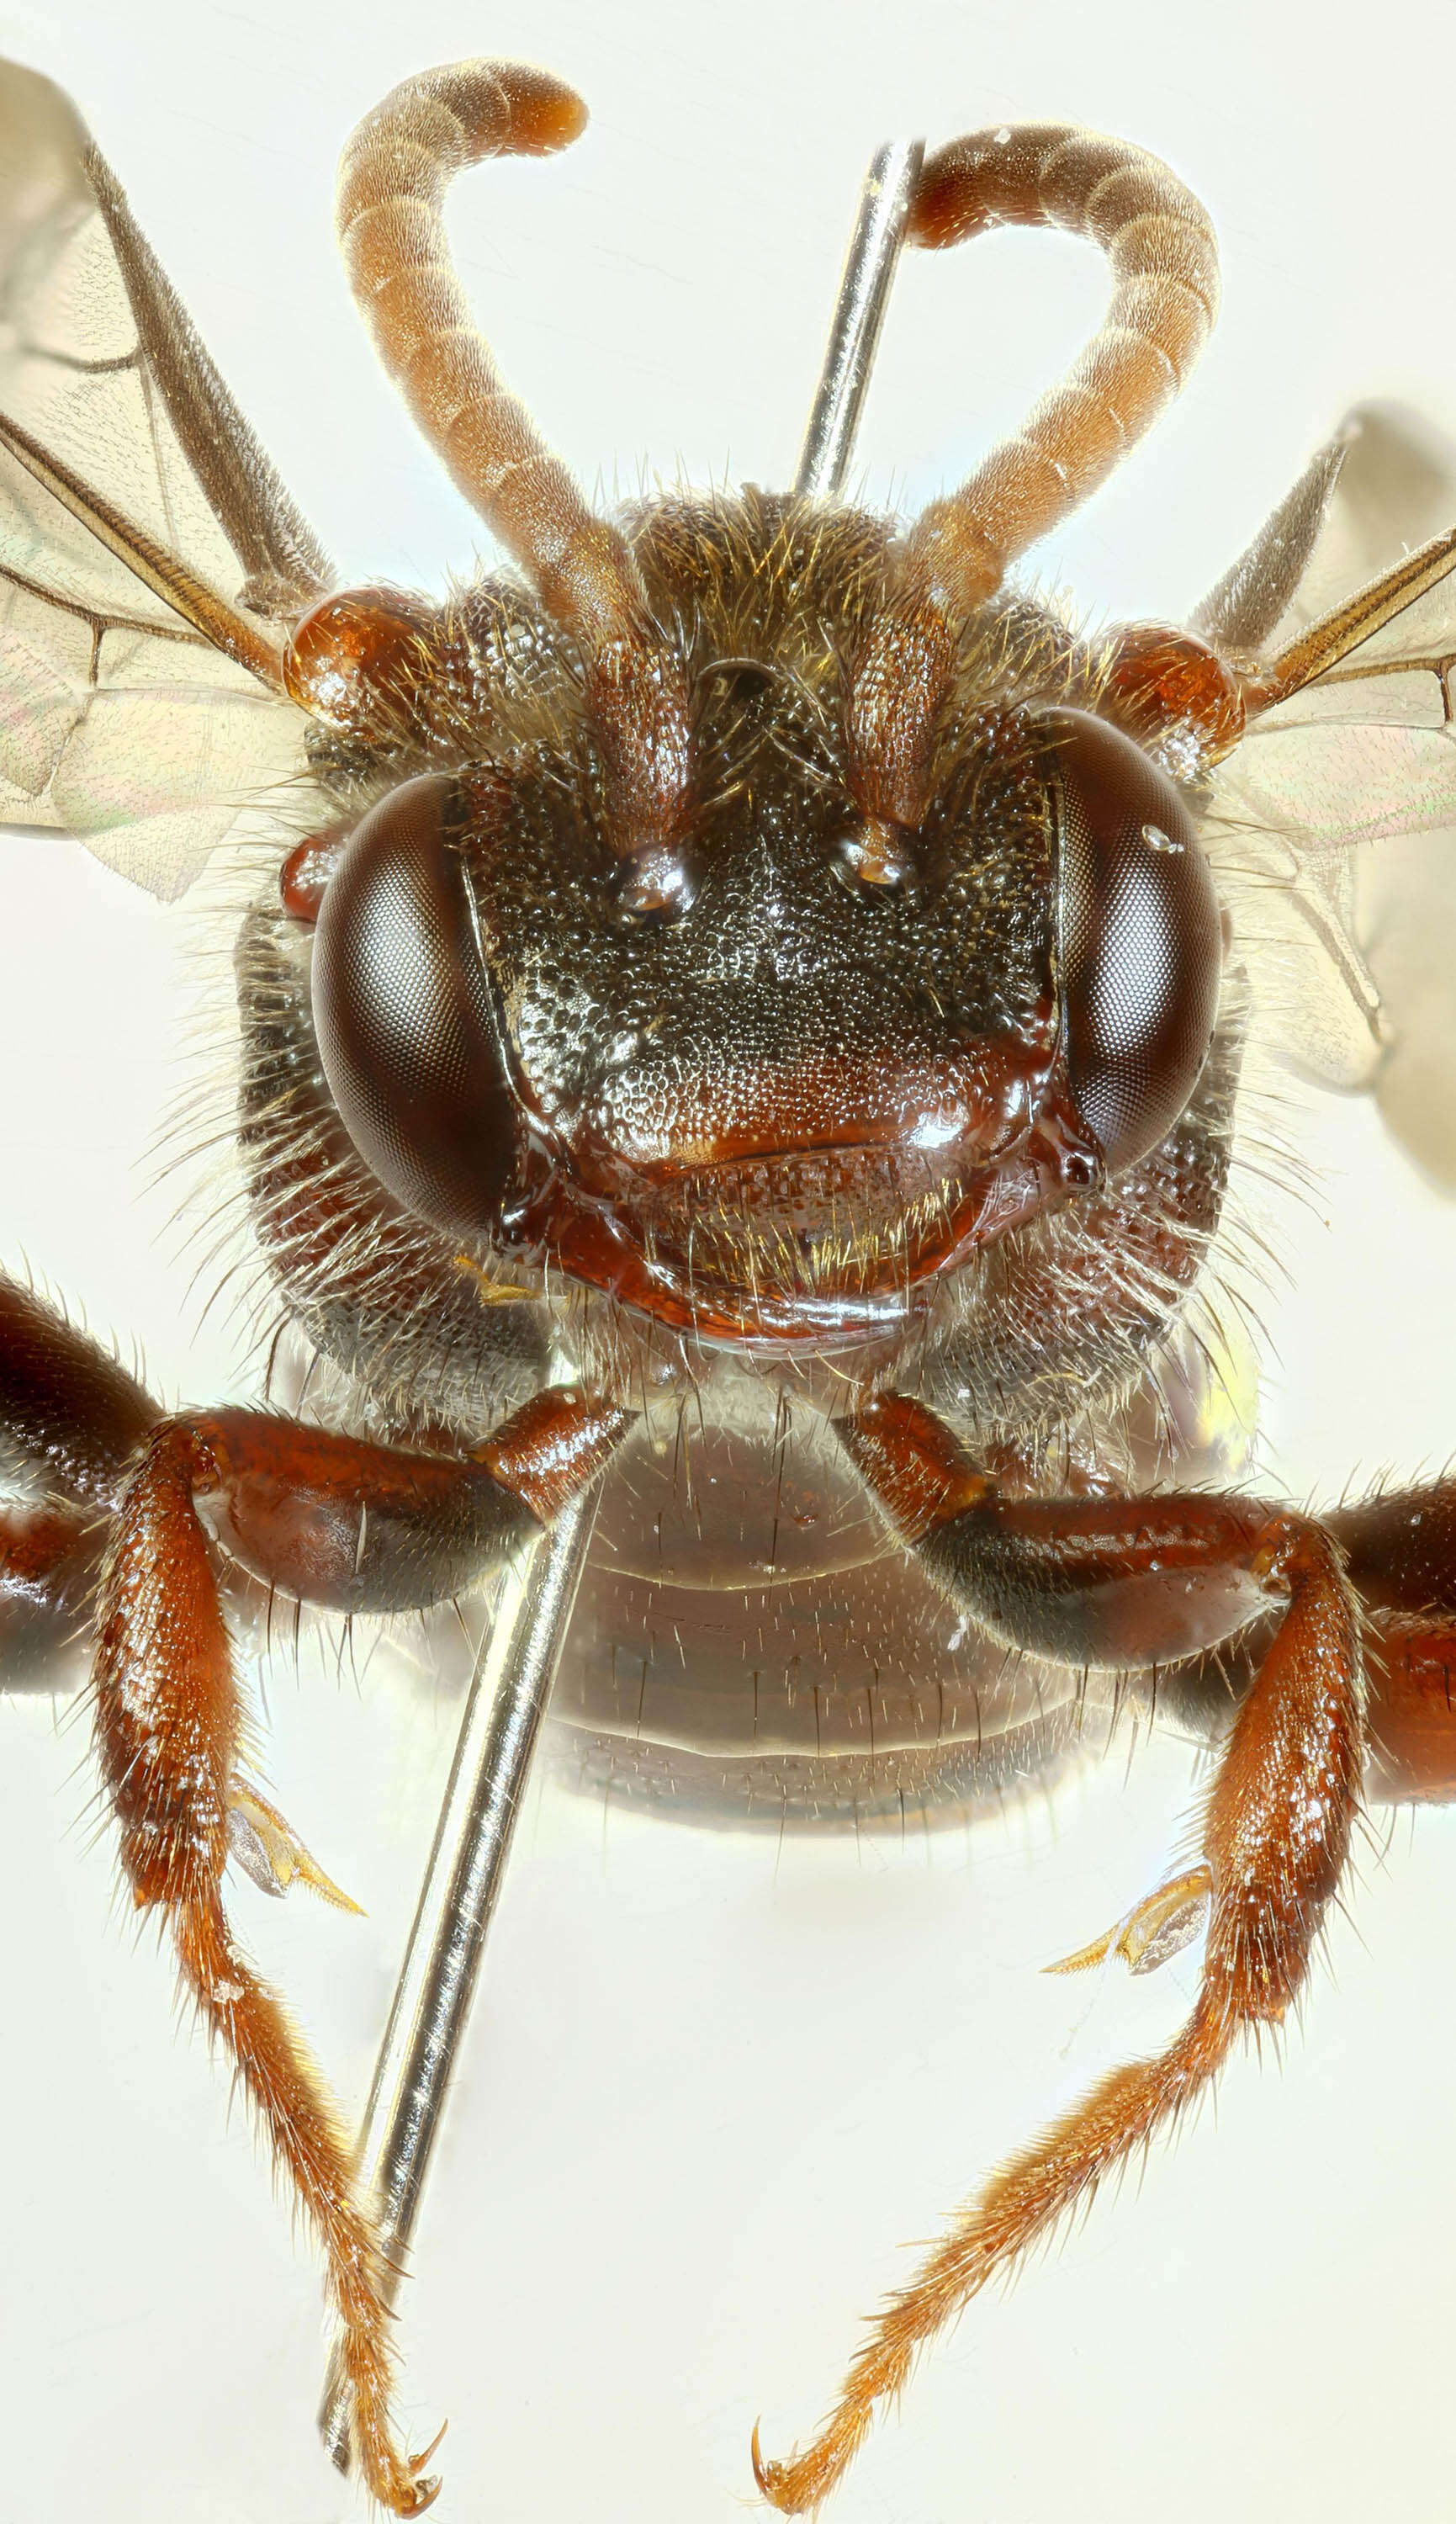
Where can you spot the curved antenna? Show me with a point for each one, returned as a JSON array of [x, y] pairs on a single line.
[[388, 211], [1160, 243]]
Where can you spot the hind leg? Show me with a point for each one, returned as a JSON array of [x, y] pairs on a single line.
[[1401, 1553], [71, 1420], [49, 1557]]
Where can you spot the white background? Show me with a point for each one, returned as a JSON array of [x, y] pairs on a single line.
[[713, 2086]]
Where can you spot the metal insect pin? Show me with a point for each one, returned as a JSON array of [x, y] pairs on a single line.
[[518, 1666], [944, 1191]]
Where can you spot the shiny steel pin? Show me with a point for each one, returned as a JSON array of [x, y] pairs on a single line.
[[518, 1661], [858, 314], [509, 1692]]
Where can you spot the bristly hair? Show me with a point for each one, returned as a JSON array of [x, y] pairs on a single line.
[[1121, 1343]]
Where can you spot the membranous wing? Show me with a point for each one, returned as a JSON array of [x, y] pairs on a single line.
[[125, 715], [1362, 939]]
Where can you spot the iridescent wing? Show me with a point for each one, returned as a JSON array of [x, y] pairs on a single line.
[[146, 547], [1361, 941]]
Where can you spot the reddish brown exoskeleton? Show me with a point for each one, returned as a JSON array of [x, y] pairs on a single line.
[[772, 966]]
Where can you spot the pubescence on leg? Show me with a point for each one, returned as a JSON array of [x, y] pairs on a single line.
[[341, 1522], [1400, 1557], [1110, 1581], [362, 1528], [167, 1726], [332, 1520], [66, 1409], [1400, 1548]]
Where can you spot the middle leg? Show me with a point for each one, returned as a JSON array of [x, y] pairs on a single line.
[[1124, 1581]]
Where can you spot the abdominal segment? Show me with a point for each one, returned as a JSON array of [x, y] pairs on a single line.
[[857, 1695], [751, 1638]]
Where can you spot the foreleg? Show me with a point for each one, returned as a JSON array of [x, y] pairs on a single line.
[[331, 1520], [344, 1524], [1400, 1557], [1115, 1581]]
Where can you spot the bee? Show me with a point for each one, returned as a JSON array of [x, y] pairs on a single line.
[[801, 1254]]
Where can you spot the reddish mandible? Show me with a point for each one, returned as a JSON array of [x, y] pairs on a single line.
[[771, 966]]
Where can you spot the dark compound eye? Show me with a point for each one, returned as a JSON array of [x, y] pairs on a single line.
[[403, 1014], [1140, 943]]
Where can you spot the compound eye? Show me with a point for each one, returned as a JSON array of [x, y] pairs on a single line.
[[1140, 940], [402, 1015]]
